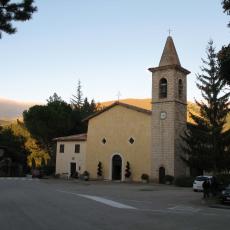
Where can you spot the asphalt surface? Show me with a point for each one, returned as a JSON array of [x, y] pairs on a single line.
[[55, 204]]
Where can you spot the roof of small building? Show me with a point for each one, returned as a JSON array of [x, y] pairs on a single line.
[[138, 109], [77, 137]]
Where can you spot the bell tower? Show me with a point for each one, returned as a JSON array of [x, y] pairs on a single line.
[[169, 114]]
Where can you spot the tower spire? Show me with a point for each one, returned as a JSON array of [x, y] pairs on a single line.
[[169, 55]]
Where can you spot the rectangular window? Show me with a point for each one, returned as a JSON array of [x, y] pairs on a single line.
[[77, 148], [62, 148]]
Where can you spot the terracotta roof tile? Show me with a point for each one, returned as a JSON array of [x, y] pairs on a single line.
[[138, 109], [78, 137]]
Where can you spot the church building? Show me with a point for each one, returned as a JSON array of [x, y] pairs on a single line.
[[148, 141]]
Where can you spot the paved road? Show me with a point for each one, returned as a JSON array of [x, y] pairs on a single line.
[[55, 204]]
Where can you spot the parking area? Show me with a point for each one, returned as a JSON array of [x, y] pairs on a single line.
[[57, 204]]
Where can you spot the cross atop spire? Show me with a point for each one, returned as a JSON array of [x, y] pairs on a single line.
[[169, 30], [169, 55], [118, 96]]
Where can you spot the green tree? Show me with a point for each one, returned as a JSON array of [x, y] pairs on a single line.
[[207, 141], [56, 119], [54, 98], [82, 108], [46, 122], [77, 100], [14, 11], [224, 53], [224, 62], [226, 7], [127, 170], [99, 169], [35, 151], [15, 145]]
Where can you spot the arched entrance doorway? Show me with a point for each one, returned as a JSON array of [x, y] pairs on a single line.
[[161, 175], [116, 167]]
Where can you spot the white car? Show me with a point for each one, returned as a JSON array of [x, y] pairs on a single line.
[[198, 182]]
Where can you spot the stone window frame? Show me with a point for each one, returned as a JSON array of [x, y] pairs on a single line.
[[163, 88], [180, 88], [77, 148], [62, 148]]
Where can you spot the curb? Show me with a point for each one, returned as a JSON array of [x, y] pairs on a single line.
[[219, 206]]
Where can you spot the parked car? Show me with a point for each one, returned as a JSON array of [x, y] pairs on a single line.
[[198, 182], [36, 173], [225, 195]]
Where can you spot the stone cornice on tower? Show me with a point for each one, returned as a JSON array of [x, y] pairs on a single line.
[[176, 67], [169, 58]]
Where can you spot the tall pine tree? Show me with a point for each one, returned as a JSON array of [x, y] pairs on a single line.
[[77, 100], [207, 142]]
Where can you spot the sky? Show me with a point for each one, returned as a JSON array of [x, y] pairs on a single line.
[[106, 44]]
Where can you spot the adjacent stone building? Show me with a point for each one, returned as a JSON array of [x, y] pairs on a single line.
[[70, 154]]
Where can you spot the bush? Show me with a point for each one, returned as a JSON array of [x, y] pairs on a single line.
[[145, 176], [184, 181], [99, 169], [168, 179], [85, 175], [127, 170]]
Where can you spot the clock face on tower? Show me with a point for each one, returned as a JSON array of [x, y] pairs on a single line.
[[163, 115]]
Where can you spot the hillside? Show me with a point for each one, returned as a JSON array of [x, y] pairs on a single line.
[[146, 104], [10, 109], [4, 122]]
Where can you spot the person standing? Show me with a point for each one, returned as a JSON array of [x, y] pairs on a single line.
[[206, 189]]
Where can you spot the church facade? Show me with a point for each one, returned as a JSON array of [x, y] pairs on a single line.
[[148, 141]]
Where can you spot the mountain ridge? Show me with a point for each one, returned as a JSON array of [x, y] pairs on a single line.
[[10, 110], [13, 109]]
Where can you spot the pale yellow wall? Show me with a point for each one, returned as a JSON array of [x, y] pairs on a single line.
[[117, 125], [63, 160]]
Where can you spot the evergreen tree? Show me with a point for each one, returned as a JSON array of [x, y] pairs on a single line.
[[224, 62], [127, 170], [77, 100], [224, 53], [207, 141], [54, 98], [14, 11], [87, 108], [99, 169], [226, 7]]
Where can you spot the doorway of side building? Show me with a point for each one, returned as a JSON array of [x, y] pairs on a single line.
[[72, 169], [161, 175], [116, 167]]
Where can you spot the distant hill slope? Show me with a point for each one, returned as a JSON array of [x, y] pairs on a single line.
[[3, 122], [146, 104], [10, 109]]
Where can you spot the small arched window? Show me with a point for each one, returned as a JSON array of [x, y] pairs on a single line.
[[163, 88], [180, 88]]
